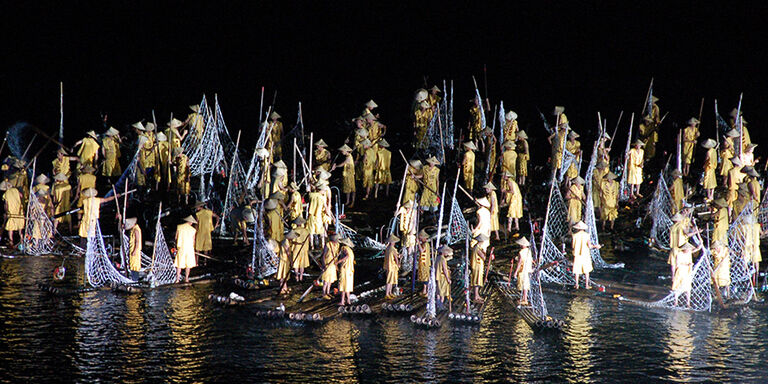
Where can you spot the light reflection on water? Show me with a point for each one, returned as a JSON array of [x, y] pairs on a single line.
[[175, 335]]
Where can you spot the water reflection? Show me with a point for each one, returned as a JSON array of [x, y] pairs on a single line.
[[579, 340]]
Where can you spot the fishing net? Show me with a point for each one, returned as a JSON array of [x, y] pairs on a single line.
[[235, 189], [208, 155], [568, 159], [361, 241], [261, 252], [161, 268], [255, 173], [624, 185], [447, 111], [483, 123], [98, 267], [458, 229], [739, 245], [502, 122], [535, 295], [193, 140], [589, 217], [661, 213], [722, 125], [762, 212], [556, 229], [128, 176], [146, 260], [39, 229]]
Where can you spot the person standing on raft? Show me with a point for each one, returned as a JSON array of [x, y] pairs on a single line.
[[582, 259], [185, 248]]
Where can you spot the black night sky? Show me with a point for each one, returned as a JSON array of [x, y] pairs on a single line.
[[127, 58]]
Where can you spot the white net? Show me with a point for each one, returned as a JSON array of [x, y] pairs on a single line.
[[264, 260], [458, 229], [762, 212], [361, 241], [208, 154], [162, 270], [556, 229], [535, 295], [98, 267], [193, 140], [255, 173], [447, 111], [568, 159], [39, 229], [661, 214], [740, 247], [589, 217], [624, 186]]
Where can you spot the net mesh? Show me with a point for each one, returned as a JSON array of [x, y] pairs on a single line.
[[556, 228], [661, 213], [568, 159], [161, 268], [192, 140], [206, 155], [39, 229], [236, 184], [739, 246], [361, 241], [535, 295], [624, 185], [263, 258], [98, 267], [458, 229], [762, 212], [254, 174], [589, 217]]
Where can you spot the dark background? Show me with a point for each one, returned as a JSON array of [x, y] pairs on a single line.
[[127, 58]]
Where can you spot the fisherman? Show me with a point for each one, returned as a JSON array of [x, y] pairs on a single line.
[[710, 164], [317, 208], [425, 260], [431, 178], [609, 195], [61, 200], [205, 225], [490, 147], [598, 176], [370, 105], [434, 96], [677, 191], [376, 130], [736, 119], [509, 158], [557, 138], [91, 212], [735, 177], [195, 121], [88, 152], [582, 258], [490, 194], [273, 221], [240, 217], [148, 155], [748, 155], [476, 119], [300, 248], [753, 186], [276, 135], [477, 265], [61, 162], [515, 211], [443, 275], [408, 224], [369, 164], [347, 175], [413, 176], [682, 278], [346, 270], [576, 199], [383, 162], [524, 269], [720, 218], [510, 125], [322, 156], [182, 172], [283, 251], [185, 248], [162, 170], [573, 146], [86, 180], [14, 212], [280, 177], [421, 119], [483, 226], [690, 135], [330, 259], [20, 180], [135, 243], [523, 156], [679, 233], [295, 204], [391, 265], [727, 153], [468, 165], [635, 167]]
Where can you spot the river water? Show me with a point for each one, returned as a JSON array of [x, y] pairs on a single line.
[[176, 335]]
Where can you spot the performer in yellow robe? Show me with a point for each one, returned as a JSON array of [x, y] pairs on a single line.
[[477, 266], [721, 270], [582, 259], [182, 174], [61, 200], [369, 164], [429, 198], [89, 149], [346, 270], [330, 258], [317, 208], [735, 177], [443, 274], [147, 158], [609, 196], [635, 169], [476, 120], [14, 212], [573, 146], [515, 211], [523, 155], [677, 191], [300, 249], [91, 212], [135, 242], [690, 135], [412, 180], [720, 218], [295, 207], [322, 155], [61, 163], [727, 153], [185, 248], [205, 226], [710, 165], [283, 252], [524, 269], [424, 260], [195, 122], [490, 194], [510, 126], [383, 174], [276, 135], [162, 170], [421, 118], [274, 221], [111, 148], [483, 226], [86, 180], [601, 169], [347, 175], [683, 277], [468, 165], [556, 140], [407, 225], [509, 158], [576, 198], [391, 265]]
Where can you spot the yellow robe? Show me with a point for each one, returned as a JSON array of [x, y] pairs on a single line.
[[477, 266], [476, 122], [690, 134], [425, 261], [609, 194], [510, 129], [61, 166], [516, 201], [722, 267], [85, 181], [91, 209], [411, 184], [468, 170], [383, 161], [369, 163], [134, 249], [315, 222], [509, 162], [573, 147], [62, 194], [524, 276], [710, 165], [678, 194], [275, 226], [443, 286], [347, 272], [421, 123], [348, 175], [111, 166], [735, 177], [726, 154], [185, 246], [431, 181], [284, 268], [635, 166], [300, 248], [407, 227], [323, 159], [575, 202], [391, 265], [682, 279], [494, 211], [720, 231], [203, 242], [329, 262], [196, 124], [14, 210], [88, 151], [522, 158], [582, 260], [295, 206], [182, 174]]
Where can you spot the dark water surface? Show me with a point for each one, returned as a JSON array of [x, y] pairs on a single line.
[[176, 335]]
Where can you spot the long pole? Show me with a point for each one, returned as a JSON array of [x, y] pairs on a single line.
[[261, 105], [311, 153], [440, 126], [294, 159], [647, 95], [61, 111]]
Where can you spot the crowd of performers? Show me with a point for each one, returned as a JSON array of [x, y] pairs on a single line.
[[297, 218]]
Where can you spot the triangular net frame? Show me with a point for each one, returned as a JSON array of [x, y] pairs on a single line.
[[361, 241], [739, 244], [98, 267], [660, 210], [162, 269], [589, 217], [762, 212], [264, 260], [191, 141], [624, 185], [556, 229], [38, 222], [208, 154]]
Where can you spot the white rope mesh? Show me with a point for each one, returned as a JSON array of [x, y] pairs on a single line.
[[739, 238], [568, 159], [661, 214], [762, 212], [458, 229], [447, 111], [98, 268], [162, 269], [39, 229], [589, 217], [192, 141], [360, 241], [254, 173], [624, 185], [556, 228], [535, 295], [261, 253], [208, 155], [502, 122]]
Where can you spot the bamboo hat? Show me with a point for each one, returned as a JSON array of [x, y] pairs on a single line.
[[324, 175], [470, 146], [348, 242], [274, 115], [60, 177], [490, 186], [199, 204], [677, 174], [280, 171], [750, 171], [150, 127], [687, 247], [111, 132], [383, 143], [177, 152], [423, 235], [262, 152], [579, 180], [248, 215], [421, 95], [161, 137], [5, 185], [321, 143], [736, 161], [720, 202], [676, 217], [523, 242], [750, 147], [732, 133], [601, 164], [333, 237], [435, 89], [42, 179], [369, 116], [610, 176], [432, 160], [345, 148], [573, 135], [174, 123], [90, 192], [91, 134], [446, 251], [709, 143], [415, 164], [195, 108], [717, 244], [638, 142], [371, 104], [558, 110], [522, 135], [130, 222], [89, 169], [362, 132], [511, 115], [580, 226], [291, 235], [693, 121], [280, 164], [138, 125], [393, 239], [190, 219], [654, 99], [366, 143], [271, 204]]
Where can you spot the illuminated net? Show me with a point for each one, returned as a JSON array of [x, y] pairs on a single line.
[[589, 217], [255, 173], [361, 241], [535, 295], [192, 140], [661, 213], [740, 247], [206, 155], [556, 229], [458, 229], [39, 229], [568, 159], [98, 267], [161, 268], [762, 212], [264, 260], [624, 185]]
